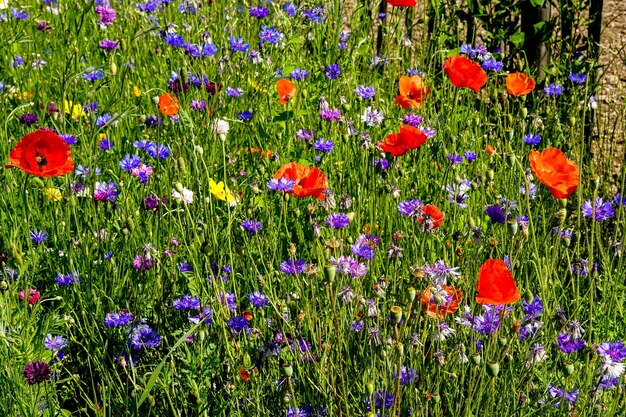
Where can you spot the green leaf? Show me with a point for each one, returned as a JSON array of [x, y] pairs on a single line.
[[518, 38], [537, 3]]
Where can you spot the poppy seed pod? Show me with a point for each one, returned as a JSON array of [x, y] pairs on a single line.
[[288, 369], [369, 387], [412, 293], [490, 174], [396, 314], [329, 273], [503, 341], [475, 358], [493, 368], [511, 227], [568, 368]]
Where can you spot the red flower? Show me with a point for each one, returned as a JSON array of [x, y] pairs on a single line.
[[169, 104], [519, 84], [495, 284], [412, 92], [553, 169], [33, 294], [436, 311], [400, 143], [402, 3], [43, 154], [286, 90], [309, 181], [463, 72], [430, 217]]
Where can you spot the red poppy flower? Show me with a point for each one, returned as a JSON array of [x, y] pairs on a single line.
[[43, 154], [495, 284], [309, 181], [286, 91], [553, 169], [169, 104], [463, 72], [412, 92], [244, 374], [431, 217], [519, 84], [490, 150], [436, 311], [400, 143], [402, 3]]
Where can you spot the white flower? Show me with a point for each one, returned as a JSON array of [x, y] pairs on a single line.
[[186, 196], [537, 354], [612, 369], [221, 127]]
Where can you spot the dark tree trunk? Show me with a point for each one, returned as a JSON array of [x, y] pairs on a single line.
[[595, 28]]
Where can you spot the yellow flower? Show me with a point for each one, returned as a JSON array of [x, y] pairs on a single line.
[[53, 194], [256, 86], [221, 191], [75, 110], [136, 92]]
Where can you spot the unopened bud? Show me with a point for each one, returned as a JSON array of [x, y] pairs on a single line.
[[568, 368], [329, 272], [412, 294], [511, 227]]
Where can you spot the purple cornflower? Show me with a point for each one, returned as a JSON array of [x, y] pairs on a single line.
[[290, 9], [153, 121], [108, 45], [259, 12], [130, 162], [337, 220], [258, 299], [439, 272], [152, 203], [332, 71], [107, 14], [489, 321], [143, 263], [454, 159], [378, 61], [157, 151], [532, 310], [381, 163], [29, 119], [52, 342], [323, 145], [187, 302], [603, 210], [283, 184], [532, 139], [430, 132], [410, 207], [237, 44], [291, 267], [553, 90], [118, 319], [349, 266], [237, 324], [299, 74], [568, 343], [206, 315], [613, 351], [252, 226], [66, 279], [105, 144], [234, 92], [69, 139], [365, 92], [492, 65], [197, 105], [38, 236], [143, 336], [36, 372], [407, 375], [330, 115], [470, 156], [382, 399], [305, 134], [365, 246], [270, 35], [372, 117], [496, 214], [93, 75], [412, 120], [105, 191], [577, 78]]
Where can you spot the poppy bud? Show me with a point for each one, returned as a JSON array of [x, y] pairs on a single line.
[[475, 358], [436, 397], [246, 361], [511, 227], [113, 68], [304, 93], [179, 187], [528, 296], [524, 112], [185, 75], [370, 388], [288, 370], [509, 133], [182, 166], [503, 341], [493, 368], [571, 122], [512, 160], [490, 174], [568, 368], [199, 150], [412, 294], [566, 241], [3, 285], [396, 314], [329, 273], [400, 348], [563, 202], [347, 106]]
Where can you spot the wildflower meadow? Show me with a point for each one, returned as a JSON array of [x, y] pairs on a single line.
[[304, 209]]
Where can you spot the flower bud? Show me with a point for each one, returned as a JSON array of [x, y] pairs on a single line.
[[370, 389], [511, 227], [288, 370], [595, 181], [329, 272], [179, 187], [524, 112], [4, 285], [493, 368], [412, 294], [490, 174], [568, 368], [503, 341], [113, 68]]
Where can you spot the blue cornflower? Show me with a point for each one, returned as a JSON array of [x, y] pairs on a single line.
[[466, 48], [91, 107], [69, 139], [496, 214], [234, 92], [553, 90], [316, 14], [365, 246], [568, 343], [192, 50], [259, 12], [470, 156], [613, 351], [299, 74], [17, 62], [290, 8], [619, 200], [184, 267], [54, 342], [305, 134], [365, 92], [19, 14], [412, 120], [283, 184], [603, 210], [143, 336], [258, 299], [157, 151], [206, 316], [577, 78], [454, 158], [532, 139], [270, 35], [252, 226], [94, 75], [323, 145], [245, 115], [208, 49], [407, 375], [410, 207], [337, 220], [175, 40], [118, 319], [105, 191], [197, 105], [332, 71], [238, 323], [493, 65], [237, 44], [532, 310], [130, 162], [291, 267], [381, 163], [103, 120], [153, 121], [105, 144], [67, 279], [38, 236], [187, 302]]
